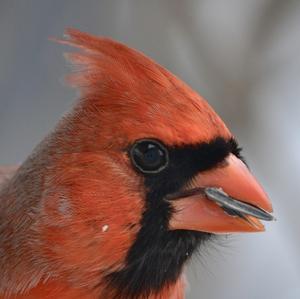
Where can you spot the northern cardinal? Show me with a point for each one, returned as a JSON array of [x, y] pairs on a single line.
[[131, 182]]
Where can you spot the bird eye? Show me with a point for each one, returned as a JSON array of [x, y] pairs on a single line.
[[149, 156]]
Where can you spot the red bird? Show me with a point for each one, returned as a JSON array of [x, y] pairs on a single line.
[[136, 178]]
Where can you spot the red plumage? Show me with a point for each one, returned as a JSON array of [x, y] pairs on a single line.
[[73, 210]]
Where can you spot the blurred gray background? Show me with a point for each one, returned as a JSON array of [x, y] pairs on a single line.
[[242, 56]]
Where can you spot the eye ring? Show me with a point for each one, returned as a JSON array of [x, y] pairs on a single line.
[[149, 156]]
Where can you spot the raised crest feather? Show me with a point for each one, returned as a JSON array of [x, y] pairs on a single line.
[[103, 59], [127, 85]]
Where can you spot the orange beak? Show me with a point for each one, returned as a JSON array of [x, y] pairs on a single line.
[[201, 211]]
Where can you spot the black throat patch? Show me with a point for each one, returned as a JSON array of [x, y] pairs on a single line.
[[156, 258]]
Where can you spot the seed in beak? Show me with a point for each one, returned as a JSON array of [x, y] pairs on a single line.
[[236, 207]]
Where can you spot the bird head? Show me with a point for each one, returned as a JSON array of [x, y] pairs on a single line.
[[129, 171]]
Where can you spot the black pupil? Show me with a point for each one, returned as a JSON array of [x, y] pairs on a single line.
[[149, 156]]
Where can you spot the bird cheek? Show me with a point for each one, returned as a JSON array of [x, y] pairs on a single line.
[[92, 230]]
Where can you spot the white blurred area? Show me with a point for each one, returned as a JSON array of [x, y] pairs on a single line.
[[242, 56]]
